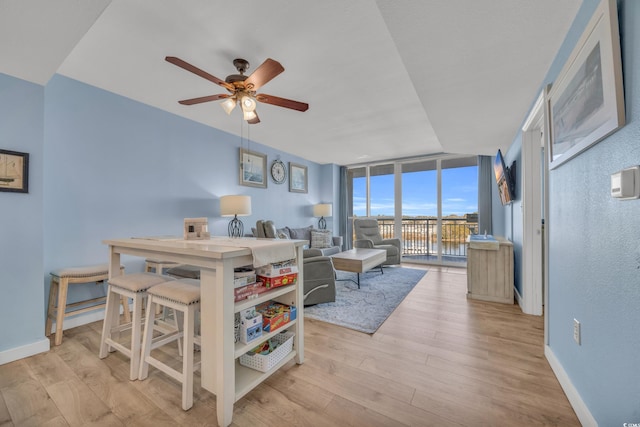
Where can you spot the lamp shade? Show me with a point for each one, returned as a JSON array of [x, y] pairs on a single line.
[[235, 205], [228, 105], [247, 103], [323, 209]]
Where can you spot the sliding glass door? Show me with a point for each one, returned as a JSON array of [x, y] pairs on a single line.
[[420, 209], [431, 204]]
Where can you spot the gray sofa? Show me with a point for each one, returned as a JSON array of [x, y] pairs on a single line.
[[267, 229]]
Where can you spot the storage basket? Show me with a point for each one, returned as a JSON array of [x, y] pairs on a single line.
[[263, 363]]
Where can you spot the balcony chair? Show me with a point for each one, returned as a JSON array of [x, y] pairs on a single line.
[[368, 236]]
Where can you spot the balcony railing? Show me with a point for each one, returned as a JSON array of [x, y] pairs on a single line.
[[420, 236]]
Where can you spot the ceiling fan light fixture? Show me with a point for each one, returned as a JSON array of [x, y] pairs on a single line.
[[242, 89], [228, 105], [249, 115], [248, 103]]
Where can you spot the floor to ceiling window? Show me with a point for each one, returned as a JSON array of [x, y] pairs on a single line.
[[420, 209], [433, 209]]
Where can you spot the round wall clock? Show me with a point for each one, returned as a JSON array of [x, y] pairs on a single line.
[[278, 172]]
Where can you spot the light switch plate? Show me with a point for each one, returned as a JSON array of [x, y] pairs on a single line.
[[625, 184]]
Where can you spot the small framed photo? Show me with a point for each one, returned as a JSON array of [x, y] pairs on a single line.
[[253, 169], [297, 178], [14, 171], [196, 229]]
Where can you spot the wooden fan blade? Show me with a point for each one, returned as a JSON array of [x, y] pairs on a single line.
[[195, 70], [255, 120], [282, 102], [203, 99], [263, 74]]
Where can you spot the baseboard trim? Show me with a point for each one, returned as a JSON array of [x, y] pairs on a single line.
[[81, 319], [518, 298], [580, 408], [84, 318], [17, 353], [43, 345]]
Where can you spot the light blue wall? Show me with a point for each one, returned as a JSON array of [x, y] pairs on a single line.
[[330, 177], [507, 220], [21, 300], [594, 258], [119, 168], [594, 249], [104, 166]]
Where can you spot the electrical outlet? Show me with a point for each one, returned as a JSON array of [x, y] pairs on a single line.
[[576, 331]]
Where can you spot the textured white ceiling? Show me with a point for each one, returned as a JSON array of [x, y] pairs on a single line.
[[383, 79]]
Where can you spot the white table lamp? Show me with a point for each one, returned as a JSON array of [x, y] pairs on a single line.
[[321, 210], [235, 206]]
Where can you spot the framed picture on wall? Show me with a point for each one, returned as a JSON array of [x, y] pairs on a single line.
[[297, 178], [14, 171], [253, 169], [586, 103]]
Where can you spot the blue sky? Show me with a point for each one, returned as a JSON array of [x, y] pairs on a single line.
[[419, 193]]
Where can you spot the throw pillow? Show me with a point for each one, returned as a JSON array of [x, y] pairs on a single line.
[[283, 233], [300, 233], [321, 239], [270, 229]]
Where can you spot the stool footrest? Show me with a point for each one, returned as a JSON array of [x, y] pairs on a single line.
[[117, 346], [72, 310], [165, 339], [121, 328]]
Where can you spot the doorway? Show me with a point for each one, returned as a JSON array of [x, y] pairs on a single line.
[[533, 196]]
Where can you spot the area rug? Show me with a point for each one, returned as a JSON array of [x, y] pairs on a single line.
[[365, 309]]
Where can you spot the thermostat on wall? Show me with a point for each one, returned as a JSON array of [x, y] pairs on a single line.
[[625, 184]]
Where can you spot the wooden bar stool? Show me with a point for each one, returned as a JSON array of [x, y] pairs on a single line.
[[152, 265], [164, 315], [59, 287], [134, 286], [181, 295]]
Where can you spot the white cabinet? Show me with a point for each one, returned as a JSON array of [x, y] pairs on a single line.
[[490, 271], [247, 378]]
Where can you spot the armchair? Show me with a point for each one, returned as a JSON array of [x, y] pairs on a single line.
[[319, 278], [319, 274], [368, 236]]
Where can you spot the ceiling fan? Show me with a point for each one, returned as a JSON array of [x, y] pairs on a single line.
[[242, 89]]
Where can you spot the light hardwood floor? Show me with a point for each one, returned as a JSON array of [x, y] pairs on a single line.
[[439, 360]]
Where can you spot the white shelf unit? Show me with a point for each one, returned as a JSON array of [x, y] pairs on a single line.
[[217, 258], [246, 378]]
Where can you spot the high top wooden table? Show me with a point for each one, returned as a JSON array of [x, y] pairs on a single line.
[[359, 260], [220, 372]]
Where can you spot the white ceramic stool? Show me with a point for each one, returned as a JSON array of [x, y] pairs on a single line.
[[181, 295], [60, 281], [134, 286]]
